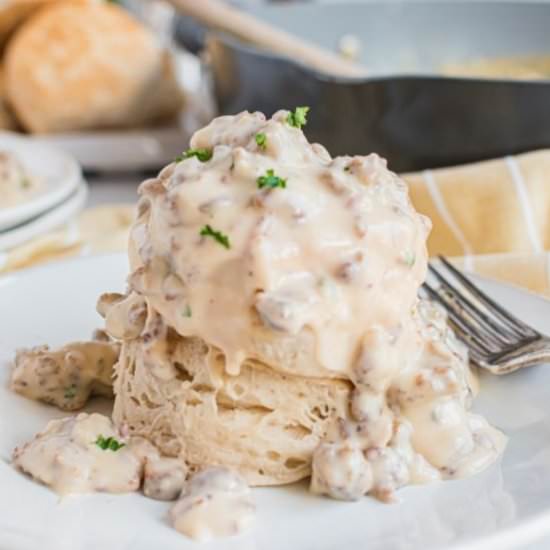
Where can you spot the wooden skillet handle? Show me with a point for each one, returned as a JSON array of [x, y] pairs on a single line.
[[217, 15]]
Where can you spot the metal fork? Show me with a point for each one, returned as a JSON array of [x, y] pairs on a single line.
[[497, 340]]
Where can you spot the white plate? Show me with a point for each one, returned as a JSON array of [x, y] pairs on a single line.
[[507, 505], [121, 151], [52, 218], [59, 173]]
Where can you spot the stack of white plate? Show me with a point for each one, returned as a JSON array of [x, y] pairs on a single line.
[[63, 192]]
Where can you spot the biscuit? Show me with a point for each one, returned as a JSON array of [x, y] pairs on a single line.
[[77, 66], [7, 118], [14, 12], [263, 423]]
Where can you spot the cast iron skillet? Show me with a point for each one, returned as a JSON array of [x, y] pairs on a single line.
[[405, 111]]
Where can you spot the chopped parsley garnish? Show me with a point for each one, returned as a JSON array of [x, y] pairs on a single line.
[[25, 183], [409, 258], [298, 118], [108, 443], [202, 154], [187, 311], [261, 140], [218, 236], [70, 392], [271, 180]]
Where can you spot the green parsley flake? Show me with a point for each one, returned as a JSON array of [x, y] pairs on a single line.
[[70, 392], [25, 183], [108, 443], [261, 141], [202, 154], [298, 118], [218, 236], [409, 258], [187, 312], [271, 180]]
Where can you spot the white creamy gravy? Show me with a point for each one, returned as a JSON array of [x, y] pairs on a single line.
[[66, 377], [77, 455], [340, 248], [66, 456], [72, 455], [163, 478], [16, 184], [409, 424], [214, 503]]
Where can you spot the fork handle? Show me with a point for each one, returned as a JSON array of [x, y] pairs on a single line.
[[534, 353]]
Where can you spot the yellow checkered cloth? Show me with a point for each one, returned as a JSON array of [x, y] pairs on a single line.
[[493, 215]]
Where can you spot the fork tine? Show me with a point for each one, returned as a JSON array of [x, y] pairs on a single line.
[[513, 322], [469, 332], [498, 333], [473, 354]]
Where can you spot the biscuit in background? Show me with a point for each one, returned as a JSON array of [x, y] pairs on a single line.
[[78, 66], [7, 118], [14, 12]]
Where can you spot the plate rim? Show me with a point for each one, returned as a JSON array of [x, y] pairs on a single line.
[[12, 216], [52, 218]]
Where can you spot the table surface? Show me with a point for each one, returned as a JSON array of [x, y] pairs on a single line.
[[123, 189]]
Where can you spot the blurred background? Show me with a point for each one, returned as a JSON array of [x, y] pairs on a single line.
[[96, 96]]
